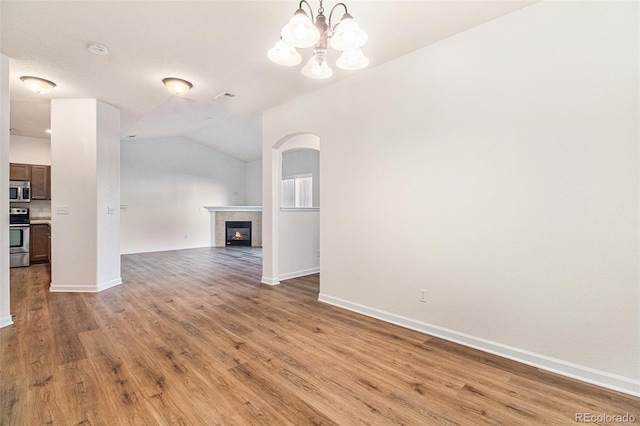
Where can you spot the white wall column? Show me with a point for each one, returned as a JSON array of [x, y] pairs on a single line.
[[271, 160], [5, 313], [85, 189]]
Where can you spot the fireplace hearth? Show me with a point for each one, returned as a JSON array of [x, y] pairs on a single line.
[[238, 233]]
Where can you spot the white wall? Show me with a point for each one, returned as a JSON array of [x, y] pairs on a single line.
[[222, 170], [165, 184], [84, 181], [509, 153], [28, 150], [253, 180], [5, 313], [299, 234], [108, 193]]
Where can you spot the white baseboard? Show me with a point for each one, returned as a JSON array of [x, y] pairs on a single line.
[[297, 274], [157, 250], [84, 288], [575, 371], [288, 276], [269, 281], [109, 284], [6, 321]]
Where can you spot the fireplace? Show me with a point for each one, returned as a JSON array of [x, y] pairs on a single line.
[[222, 214], [238, 233]]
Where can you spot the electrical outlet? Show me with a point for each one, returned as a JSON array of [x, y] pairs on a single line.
[[110, 210], [423, 295], [62, 209]]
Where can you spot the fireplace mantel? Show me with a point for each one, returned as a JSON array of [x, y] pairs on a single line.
[[221, 214], [233, 208]]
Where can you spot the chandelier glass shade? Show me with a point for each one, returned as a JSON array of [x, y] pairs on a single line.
[[352, 59], [302, 32], [348, 35], [284, 54], [317, 68]]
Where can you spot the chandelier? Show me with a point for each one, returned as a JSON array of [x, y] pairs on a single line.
[[302, 32]]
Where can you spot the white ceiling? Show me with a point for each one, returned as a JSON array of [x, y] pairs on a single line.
[[218, 46]]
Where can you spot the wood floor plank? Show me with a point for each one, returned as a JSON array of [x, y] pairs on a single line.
[[192, 338]]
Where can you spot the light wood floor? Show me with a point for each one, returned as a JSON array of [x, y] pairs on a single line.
[[191, 338]]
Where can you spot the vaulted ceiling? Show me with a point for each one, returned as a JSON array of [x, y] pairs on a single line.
[[219, 46]]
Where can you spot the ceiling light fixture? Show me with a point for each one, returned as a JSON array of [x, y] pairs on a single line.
[[177, 86], [302, 32], [38, 85]]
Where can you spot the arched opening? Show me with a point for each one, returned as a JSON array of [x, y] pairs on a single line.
[[294, 226]]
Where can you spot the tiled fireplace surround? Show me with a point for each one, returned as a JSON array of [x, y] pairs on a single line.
[[222, 214]]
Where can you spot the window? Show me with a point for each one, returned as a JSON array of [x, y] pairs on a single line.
[[297, 191]]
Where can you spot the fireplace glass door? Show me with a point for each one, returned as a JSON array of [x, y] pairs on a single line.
[[238, 233]]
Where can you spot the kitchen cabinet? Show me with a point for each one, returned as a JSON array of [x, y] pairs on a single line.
[[40, 182], [40, 243], [19, 171], [38, 175]]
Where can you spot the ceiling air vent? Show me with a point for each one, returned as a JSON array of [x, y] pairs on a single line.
[[98, 49], [224, 96]]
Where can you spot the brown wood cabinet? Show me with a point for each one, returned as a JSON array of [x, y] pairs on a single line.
[[39, 175], [39, 250], [19, 171], [40, 182]]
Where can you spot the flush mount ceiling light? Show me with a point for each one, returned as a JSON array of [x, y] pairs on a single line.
[[177, 86], [38, 85], [302, 32]]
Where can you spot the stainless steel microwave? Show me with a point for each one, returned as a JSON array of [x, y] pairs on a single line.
[[19, 191]]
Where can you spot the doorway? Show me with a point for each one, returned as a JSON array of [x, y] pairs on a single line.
[[294, 230]]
